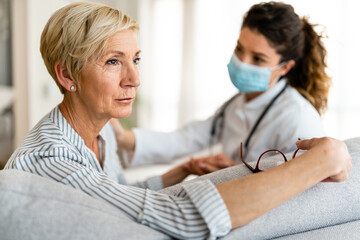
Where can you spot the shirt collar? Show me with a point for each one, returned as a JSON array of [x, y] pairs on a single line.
[[69, 133], [266, 97], [66, 129]]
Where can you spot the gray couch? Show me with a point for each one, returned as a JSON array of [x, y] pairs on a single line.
[[32, 207]]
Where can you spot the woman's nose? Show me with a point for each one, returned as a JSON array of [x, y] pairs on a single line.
[[131, 77]]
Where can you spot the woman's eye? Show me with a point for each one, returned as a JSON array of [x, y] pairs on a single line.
[[137, 60], [112, 62]]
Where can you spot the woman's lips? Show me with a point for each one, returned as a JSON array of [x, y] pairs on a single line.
[[125, 100]]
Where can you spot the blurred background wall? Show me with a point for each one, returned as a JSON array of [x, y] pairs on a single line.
[[6, 90], [186, 45]]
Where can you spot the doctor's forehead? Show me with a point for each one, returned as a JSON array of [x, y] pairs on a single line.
[[255, 42]]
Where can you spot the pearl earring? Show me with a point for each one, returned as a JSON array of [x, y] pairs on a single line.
[[72, 88]]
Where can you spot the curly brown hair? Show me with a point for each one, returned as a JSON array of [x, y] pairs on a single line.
[[294, 39]]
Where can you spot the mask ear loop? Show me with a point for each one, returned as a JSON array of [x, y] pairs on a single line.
[[280, 65]]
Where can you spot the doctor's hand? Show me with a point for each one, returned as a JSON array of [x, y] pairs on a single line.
[[125, 138], [201, 166]]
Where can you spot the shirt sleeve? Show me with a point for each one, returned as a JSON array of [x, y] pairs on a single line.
[[159, 147], [197, 213], [200, 203]]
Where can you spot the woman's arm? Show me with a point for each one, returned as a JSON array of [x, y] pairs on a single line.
[[249, 197]]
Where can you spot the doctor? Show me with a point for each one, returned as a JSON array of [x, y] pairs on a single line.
[[278, 66]]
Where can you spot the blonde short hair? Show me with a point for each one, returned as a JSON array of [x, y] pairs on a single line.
[[78, 32]]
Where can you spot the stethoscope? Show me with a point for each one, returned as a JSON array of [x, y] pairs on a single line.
[[221, 115]]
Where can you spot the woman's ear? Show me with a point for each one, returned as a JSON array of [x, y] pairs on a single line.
[[287, 67], [63, 77]]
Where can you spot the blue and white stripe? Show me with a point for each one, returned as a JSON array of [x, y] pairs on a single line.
[[54, 150]]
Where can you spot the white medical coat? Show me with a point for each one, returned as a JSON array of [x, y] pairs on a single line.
[[290, 117]]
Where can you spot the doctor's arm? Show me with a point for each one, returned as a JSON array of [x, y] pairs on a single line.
[[151, 147], [206, 165], [250, 197]]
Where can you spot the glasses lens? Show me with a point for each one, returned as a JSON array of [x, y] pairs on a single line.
[[270, 159]]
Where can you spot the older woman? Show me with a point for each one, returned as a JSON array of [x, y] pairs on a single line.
[[91, 52]]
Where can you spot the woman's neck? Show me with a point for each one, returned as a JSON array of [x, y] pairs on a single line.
[[80, 120]]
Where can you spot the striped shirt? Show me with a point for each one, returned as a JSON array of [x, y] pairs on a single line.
[[54, 150]]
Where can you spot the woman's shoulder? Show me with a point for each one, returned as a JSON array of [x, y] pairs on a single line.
[[43, 137], [46, 129]]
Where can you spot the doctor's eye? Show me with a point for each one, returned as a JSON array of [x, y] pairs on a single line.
[[258, 59], [238, 49], [112, 61], [137, 60]]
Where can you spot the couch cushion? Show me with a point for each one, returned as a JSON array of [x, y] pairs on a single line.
[[33, 207], [345, 231]]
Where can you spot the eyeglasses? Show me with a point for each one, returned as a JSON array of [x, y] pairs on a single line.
[[257, 169]]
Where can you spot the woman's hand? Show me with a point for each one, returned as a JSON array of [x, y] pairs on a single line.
[[334, 152], [201, 166], [249, 197], [125, 138]]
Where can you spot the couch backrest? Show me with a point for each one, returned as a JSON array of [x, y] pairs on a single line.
[[39, 208]]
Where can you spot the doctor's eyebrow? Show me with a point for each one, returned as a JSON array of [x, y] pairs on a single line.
[[238, 45], [260, 54]]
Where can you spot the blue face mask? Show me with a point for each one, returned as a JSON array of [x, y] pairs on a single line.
[[247, 77]]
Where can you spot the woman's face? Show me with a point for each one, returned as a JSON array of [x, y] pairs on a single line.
[[108, 86], [253, 48]]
